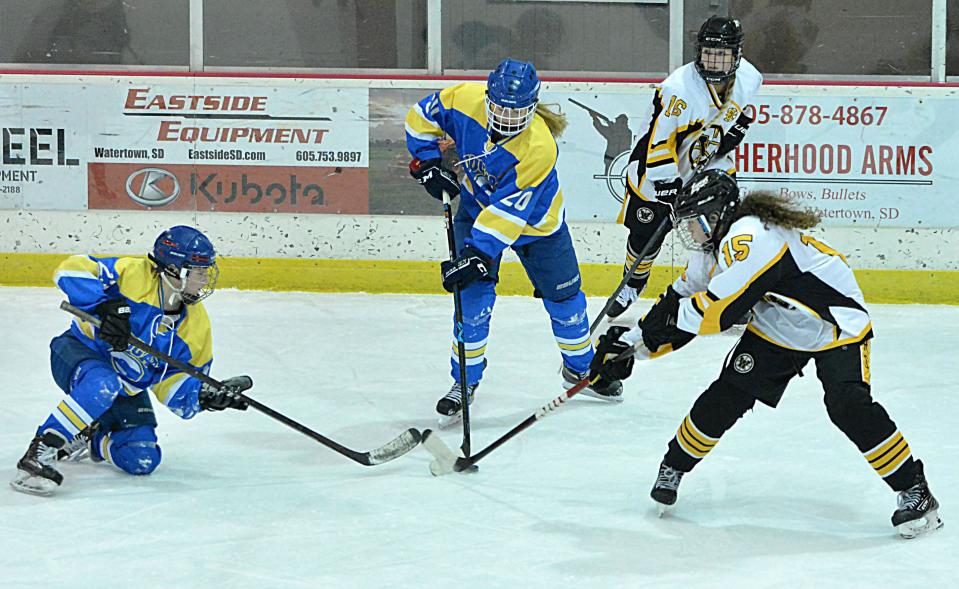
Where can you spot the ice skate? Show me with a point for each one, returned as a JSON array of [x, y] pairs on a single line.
[[624, 299], [612, 392], [35, 472], [666, 486], [450, 406], [79, 448], [918, 511]]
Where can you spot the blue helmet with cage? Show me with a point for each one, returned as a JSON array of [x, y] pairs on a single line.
[[512, 92], [184, 254]]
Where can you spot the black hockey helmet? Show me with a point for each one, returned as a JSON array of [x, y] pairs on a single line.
[[717, 34], [704, 209]]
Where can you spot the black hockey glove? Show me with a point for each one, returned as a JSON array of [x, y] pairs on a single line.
[[225, 397], [470, 266], [435, 178], [666, 191], [659, 324], [734, 136], [603, 369], [114, 323]]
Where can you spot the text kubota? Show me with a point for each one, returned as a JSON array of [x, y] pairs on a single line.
[[227, 191]]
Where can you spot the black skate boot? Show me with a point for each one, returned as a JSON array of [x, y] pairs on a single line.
[[624, 299], [918, 511], [666, 486], [35, 472], [613, 391], [450, 406]]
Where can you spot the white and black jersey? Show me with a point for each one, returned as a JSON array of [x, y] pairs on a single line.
[[686, 121], [802, 292]]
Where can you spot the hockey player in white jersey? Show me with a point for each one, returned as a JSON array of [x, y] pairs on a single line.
[[695, 122], [806, 304]]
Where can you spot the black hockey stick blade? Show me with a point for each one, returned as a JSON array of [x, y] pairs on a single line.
[[393, 449]]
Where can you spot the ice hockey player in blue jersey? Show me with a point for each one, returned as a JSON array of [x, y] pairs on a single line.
[[107, 412], [510, 198]]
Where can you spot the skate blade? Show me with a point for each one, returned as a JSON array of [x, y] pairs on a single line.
[[447, 421], [589, 393], [76, 456], [33, 485], [930, 522], [661, 508]]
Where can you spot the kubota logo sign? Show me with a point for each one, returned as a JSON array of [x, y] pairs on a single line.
[[152, 187], [228, 189]]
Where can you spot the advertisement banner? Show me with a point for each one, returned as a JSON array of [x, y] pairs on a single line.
[[72, 146], [43, 163], [854, 159], [860, 156], [235, 189]]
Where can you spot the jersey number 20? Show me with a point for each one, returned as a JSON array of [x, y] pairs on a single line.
[[519, 200]]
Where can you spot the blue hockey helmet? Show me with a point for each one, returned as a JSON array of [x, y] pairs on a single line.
[[184, 254], [512, 92]]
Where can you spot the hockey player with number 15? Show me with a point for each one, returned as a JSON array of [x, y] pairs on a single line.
[[806, 306]]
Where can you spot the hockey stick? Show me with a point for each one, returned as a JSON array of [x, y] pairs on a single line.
[[393, 449], [446, 462], [458, 316], [663, 227]]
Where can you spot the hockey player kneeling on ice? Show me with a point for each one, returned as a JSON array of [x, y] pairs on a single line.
[[107, 413], [511, 198], [806, 305]]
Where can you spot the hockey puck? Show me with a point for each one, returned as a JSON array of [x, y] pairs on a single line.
[[463, 465]]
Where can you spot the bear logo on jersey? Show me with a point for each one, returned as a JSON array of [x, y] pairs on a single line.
[[645, 214], [743, 363], [703, 147]]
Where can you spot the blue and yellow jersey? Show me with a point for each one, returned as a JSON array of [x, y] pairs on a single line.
[[511, 188], [88, 281]]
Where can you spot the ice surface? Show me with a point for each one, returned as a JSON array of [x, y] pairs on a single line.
[[242, 501]]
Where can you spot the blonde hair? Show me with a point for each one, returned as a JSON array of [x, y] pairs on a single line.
[[555, 119], [773, 209]]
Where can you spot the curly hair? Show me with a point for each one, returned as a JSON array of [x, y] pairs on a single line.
[[773, 209]]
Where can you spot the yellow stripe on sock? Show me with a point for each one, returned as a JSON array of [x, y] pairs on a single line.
[[884, 447], [893, 460], [690, 439], [69, 414], [574, 347]]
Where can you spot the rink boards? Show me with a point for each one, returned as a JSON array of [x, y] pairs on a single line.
[[302, 182]]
